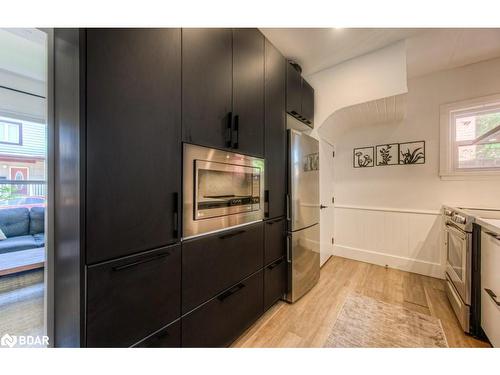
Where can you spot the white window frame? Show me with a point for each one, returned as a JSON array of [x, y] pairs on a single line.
[[5, 134], [448, 156]]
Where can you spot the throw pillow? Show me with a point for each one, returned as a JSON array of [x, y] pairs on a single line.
[[2, 235]]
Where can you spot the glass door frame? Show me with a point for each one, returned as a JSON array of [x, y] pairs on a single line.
[[49, 222]]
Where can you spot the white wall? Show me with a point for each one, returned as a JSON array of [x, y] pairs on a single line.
[[389, 215], [372, 76]]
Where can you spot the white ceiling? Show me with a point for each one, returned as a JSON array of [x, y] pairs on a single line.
[[450, 48], [428, 50], [318, 48]]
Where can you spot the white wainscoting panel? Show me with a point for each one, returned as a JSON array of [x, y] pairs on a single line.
[[402, 239]]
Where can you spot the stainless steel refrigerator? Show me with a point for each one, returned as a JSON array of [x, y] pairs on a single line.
[[302, 214]]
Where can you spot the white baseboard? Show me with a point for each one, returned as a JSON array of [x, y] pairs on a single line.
[[392, 261]]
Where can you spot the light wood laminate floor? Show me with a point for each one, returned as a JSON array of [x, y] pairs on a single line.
[[308, 322]]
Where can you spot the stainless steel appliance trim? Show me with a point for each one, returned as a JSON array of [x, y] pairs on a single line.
[[193, 228], [462, 310], [221, 230]]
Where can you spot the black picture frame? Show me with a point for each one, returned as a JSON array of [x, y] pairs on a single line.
[[412, 156], [370, 161], [377, 156]]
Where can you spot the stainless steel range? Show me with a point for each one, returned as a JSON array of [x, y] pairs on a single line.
[[463, 264], [458, 241]]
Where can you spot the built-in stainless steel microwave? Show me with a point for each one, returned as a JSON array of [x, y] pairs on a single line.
[[221, 189]]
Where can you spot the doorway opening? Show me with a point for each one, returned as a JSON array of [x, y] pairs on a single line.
[[23, 186]]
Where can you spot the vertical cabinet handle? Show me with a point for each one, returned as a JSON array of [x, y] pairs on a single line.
[[229, 129], [288, 258], [266, 203], [236, 129], [288, 207], [176, 215]]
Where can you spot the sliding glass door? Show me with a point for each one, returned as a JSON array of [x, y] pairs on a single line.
[[24, 171]]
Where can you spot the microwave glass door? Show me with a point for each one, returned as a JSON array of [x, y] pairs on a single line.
[[225, 189]]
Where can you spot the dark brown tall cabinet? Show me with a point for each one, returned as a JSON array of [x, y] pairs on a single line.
[[223, 89], [299, 96], [125, 101], [133, 181], [275, 126], [133, 150]]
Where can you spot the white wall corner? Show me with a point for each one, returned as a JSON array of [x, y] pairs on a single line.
[[373, 76]]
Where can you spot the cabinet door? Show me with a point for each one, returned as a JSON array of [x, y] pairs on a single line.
[[307, 103], [213, 263], [221, 320], [207, 76], [274, 239], [133, 297], [248, 91], [293, 91], [490, 286], [274, 282], [133, 148], [275, 130]]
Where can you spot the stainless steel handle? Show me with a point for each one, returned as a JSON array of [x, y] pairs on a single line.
[[492, 295]]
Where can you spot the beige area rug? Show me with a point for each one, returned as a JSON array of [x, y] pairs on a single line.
[[365, 322]]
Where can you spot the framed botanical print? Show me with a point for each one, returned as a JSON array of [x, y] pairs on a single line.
[[363, 157], [387, 154], [412, 152]]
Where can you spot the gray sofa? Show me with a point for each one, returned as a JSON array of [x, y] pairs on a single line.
[[23, 227]]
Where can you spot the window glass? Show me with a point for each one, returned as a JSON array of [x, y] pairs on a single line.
[[477, 139], [9, 132]]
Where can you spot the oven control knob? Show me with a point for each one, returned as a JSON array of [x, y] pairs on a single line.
[[447, 212], [459, 219]]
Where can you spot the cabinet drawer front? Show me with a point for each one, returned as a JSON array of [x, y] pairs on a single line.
[[213, 263], [490, 287], [221, 320], [274, 240], [274, 282], [131, 298], [169, 337]]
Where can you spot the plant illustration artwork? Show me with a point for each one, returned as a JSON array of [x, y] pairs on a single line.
[[363, 157], [387, 154], [412, 153]]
